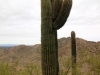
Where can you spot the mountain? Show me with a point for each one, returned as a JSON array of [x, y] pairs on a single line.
[[21, 53], [25, 54]]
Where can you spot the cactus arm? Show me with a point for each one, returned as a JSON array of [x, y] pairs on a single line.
[[73, 48], [56, 6], [63, 14]]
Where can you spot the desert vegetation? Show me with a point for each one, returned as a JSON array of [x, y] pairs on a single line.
[[86, 65], [26, 60], [17, 69]]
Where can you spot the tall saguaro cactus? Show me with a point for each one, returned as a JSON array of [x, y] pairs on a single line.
[[73, 48], [54, 14]]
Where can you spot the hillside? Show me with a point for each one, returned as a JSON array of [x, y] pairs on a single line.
[[88, 56], [23, 53]]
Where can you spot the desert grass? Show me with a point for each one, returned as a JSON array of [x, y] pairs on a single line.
[[86, 65]]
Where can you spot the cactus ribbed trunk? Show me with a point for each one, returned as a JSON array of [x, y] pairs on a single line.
[[73, 48], [49, 25], [49, 53]]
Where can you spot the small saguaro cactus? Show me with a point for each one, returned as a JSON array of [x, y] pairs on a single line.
[[73, 51], [54, 14]]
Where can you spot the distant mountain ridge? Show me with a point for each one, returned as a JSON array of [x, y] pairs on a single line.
[[7, 46]]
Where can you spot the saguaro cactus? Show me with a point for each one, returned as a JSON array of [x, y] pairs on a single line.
[[73, 48], [54, 14]]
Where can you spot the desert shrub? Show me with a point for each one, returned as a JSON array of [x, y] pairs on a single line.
[[64, 65], [94, 64], [4, 69], [33, 69], [11, 69]]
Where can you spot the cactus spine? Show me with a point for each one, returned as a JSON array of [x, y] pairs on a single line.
[[54, 14], [73, 48]]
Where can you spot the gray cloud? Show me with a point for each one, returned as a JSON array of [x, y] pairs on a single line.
[[20, 21], [85, 11]]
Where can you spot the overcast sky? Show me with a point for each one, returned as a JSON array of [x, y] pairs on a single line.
[[20, 21]]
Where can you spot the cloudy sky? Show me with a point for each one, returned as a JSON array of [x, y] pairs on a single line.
[[20, 21]]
